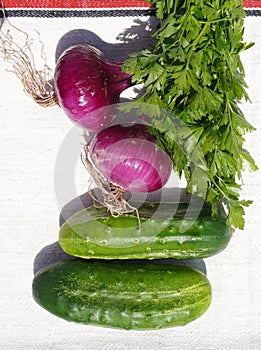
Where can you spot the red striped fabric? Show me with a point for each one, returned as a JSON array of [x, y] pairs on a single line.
[[252, 3], [85, 4], [76, 4]]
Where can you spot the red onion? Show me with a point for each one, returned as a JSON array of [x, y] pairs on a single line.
[[127, 156], [87, 86]]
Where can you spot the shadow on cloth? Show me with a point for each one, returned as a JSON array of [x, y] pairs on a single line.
[[53, 253], [133, 39]]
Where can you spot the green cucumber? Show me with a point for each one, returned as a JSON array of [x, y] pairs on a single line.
[[122, 295], [167, 230]]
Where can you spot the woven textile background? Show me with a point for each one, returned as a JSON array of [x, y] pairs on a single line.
[[41, 177]]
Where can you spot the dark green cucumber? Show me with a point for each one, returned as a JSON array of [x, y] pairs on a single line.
[[126, 295], [166, 232]]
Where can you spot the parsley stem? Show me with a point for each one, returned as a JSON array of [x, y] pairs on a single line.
[[194, 43], [215, 20]]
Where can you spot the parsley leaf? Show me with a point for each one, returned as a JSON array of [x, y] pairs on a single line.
[[195, 73]]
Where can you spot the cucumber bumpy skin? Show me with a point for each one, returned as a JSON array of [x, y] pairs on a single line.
[[122, 295], [94, 233]]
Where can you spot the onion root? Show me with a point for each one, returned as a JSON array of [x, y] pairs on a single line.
[[113, 195], [36, 83]]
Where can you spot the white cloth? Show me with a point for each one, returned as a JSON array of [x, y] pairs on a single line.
[[35, 186]]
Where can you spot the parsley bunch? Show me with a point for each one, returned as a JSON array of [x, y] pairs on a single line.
[[195, 72]]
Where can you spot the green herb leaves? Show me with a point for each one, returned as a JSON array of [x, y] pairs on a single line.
[[195, 72]]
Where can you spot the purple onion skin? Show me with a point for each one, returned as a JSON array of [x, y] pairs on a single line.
[[127, 155], [87, 86]]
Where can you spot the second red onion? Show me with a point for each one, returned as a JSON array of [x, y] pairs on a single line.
[[127, 156]]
